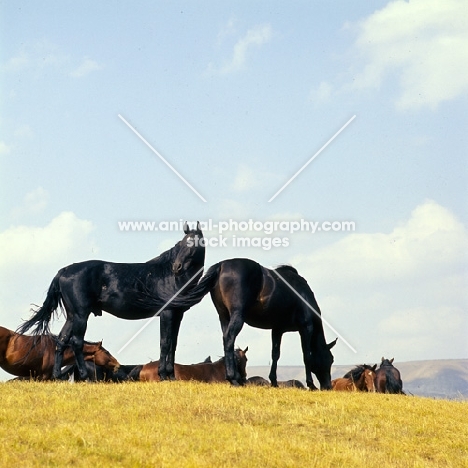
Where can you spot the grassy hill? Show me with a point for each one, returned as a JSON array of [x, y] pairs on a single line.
[[439, 378], [188, 424]]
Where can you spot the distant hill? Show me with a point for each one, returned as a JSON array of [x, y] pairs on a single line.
[[444, 378]]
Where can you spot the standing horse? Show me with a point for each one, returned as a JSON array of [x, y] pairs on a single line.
[[361, 378], [388, 379], [204, 372], [243, 291], [95, 286], [33, 356]]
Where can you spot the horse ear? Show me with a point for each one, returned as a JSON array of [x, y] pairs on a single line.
[[391, 360], [186, 228], [374, 367], [332, 343], [198, 226], [383, 359], [246, 349]]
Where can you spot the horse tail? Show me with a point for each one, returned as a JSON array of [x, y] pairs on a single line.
[[197, 293], [392, 384], [39, 323]]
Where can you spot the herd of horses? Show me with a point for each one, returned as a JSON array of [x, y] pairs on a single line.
[[242, 291]]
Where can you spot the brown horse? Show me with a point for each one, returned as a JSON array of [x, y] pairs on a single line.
[[388, 379], [361, 378], [203, 372], [258, 381], [32, 357], [293, 383]]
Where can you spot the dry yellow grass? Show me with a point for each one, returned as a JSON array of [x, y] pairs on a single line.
[[191, 424]]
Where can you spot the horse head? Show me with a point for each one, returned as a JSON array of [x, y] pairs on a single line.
[[241, 363], [191, 251], [322, 360], [102, 357], [369, 377]]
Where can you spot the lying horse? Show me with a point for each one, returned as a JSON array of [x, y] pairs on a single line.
[[258, 381], [261, 382], [361, 378], [293, 383], [388, 379], [32, 357], [98, 373], [203, 372]]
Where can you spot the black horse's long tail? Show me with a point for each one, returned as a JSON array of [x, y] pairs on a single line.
[[392, 384], [39, 323], [197, 293]]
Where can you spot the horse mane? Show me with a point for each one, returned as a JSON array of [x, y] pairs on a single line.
[[286, 268], [355, 374], [386, 363], [164, 260]]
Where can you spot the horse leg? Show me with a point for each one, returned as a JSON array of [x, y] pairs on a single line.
[[77, 341], [62, 342], [276, 336], [177, 317], [306, 339], [229, 337], [165, 330]]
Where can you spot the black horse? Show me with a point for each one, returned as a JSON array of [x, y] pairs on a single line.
[[388, 378], [243, 291], [95, 286]]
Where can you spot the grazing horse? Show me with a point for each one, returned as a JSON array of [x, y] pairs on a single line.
[[361, 378], [243, 291], [95, 286], [33, 356], [203, 372], [388, 379]]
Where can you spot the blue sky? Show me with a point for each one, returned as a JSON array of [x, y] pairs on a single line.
[[238, 97]]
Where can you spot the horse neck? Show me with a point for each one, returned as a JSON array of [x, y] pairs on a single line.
[[166, 258]]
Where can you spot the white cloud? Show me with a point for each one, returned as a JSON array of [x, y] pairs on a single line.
[[386, 292], [24, 131], [4, 148], [423, 44], [322, 93], [431, 240], [65, 238], [256, 36], [37, 55], [30, 256], [86, 67], [245, 180], [34, 202]]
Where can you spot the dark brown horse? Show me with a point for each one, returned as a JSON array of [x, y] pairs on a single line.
[[388, 378], [258, 381], [203, 372], [117, 288], [243, 291], [99, 373], [293, 383], [34, 356], [261, 382], [361, 378]]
